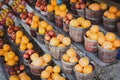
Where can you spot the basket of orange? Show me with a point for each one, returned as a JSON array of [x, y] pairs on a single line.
[[85, 69], [69, 60], [39, 63], [77, 28], [94, 12], [110, 18], [108, 47], [52, 73], [59, 45], [60, 13], [91, 37]]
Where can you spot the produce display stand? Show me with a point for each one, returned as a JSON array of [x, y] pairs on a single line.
[[104, 71]]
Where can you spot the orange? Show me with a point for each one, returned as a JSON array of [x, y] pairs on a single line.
[[41, 30], [107, 45], [45, 74], [110, 36], [101, 40], [116, 43], [1, 52], [80, 19], [29, 45], [35, 18], [34, 25], [118, 14], [6, 58], [33, 56], [5, 53], [11, 55], [111, 16], [73, 59], [37, 61], [73, 1], [49, 69], [54, 42], [23, 47], [49, 28], [49, 79], [44, 24], [62, 7], [11, 62], [47, 58], [60, 37], [16, 58], [50, 8], [103, 6], [100, 34], [88, 33], [56, 69], [84, 62], [71, 52], [66, 58], [113, 9], [6, 47], [86, 23], [94, 6], [87, 70], [61, 45], [25, 40], [17, 40], [94, 36], [78, 68], [54, 2], [66, 41], [57, 12], [56, 8], [74, 23], [54, 75], [106, 13], [94, 28], [14, 77], [19, 34], [63, 14]]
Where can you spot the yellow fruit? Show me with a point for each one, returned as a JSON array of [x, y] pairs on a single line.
[[54, 42], [107, 45], [44, 24], [56, 69], [34, 25], [6, 47], [61, 45], [23, 47], [5, 53], [45, 74], [94, 28], [73, 59], [66, 41], [118, 14], [66, 58], [47, 58], [29, 45], [101, 40], [103, 6], [50, 8], [106, 13], [62, 7], [100, 34], [113, 9], [49, 28], [111, 16], [16, 58], [37, 62], [84, 62], [94, 36], [80, 19], [35, 18], [73, 1], [86, 24], [74, 23], [110, 36], [60, 37], [88, 33], [11, 62], [87, 70], [11, 55], [33, 56], [19, 34], [71, 52], [49, 69], [78, 68], [94, 6], [14, 77], [1, 52], [116, 43], [54, 75], [41, 30], [54, 2]]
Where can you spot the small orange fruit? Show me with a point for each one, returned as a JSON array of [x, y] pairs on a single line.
[[71, 52], [11, 55], [100, 34], [45, 74], [86, 24], [101, 40], [62, 7], [78, 68], [66, 58], [87, 70], [29, 45], [94, 6], [66, 41], [113, 9], [19, 34], [94, 28], [54, 42], [73, 1], [44, 24], [47, 58], [111, 16], [60, 37], [56, 69], [49, 69], [107, 45], [118, 14], [54, 75], [6, 47], [17, 40], [14, 77], [110, 36], [84, 62], [116, 43], [88, 33], [11, 62], [1, 52], [34, 25], [103, 6], [94, 36], [35, 18], [61, 45], [49, 28], [54, 2], [106, 13], [23, 47], [16, 58], [73, 59], [50, 8], [33, 56], [5, 53]]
